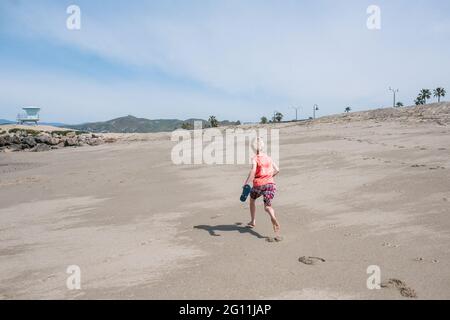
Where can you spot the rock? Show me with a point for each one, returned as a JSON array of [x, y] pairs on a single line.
[[70, 142], [54, 141], [70, 134], [30, 141], [95, 142], [15, 140], [41, 147], [43, 138], [4, 140]]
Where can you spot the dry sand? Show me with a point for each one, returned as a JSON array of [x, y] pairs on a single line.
[[355, 192], [40, 127]]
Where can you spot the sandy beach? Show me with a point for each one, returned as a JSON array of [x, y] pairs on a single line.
[[354, 193]]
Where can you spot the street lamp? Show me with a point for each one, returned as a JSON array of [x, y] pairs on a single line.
[[394, 91], [296, 112], [315, 108]]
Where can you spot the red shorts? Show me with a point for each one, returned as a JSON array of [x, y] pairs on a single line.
[[267, 191]]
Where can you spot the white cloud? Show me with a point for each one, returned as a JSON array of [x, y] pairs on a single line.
[[249, 50]]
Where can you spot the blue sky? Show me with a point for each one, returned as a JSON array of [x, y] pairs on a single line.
[[238, 60]]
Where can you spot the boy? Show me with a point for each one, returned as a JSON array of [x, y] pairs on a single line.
[[262, 172]]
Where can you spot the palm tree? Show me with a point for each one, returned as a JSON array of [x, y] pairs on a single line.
[[419, 100], [439, 92], [263, 120], [399, 104], [213, 122], [425, 94], [348, 109], [278, 117]]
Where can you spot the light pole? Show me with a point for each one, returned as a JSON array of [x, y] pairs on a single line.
[[315, 108], [394, 91], [296, 112]]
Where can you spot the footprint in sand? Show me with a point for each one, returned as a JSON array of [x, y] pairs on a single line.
[[436, 168], [274, 239], [390, 245], [420, 259], [404, 290], [349, 234], [310, 260]]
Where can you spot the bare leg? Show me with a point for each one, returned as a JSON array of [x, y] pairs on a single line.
[[273, 218], [252, 223]]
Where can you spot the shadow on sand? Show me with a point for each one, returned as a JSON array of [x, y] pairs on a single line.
[[229, 227]]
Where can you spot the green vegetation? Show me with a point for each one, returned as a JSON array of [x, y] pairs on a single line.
[[213, 122], [27, 131], [278, 116], [348, 109], [439, 93], [399, 104], [61, 132], [187, 126], [264, 120], [425, 94]]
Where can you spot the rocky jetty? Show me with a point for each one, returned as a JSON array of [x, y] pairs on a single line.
[[37, 141]]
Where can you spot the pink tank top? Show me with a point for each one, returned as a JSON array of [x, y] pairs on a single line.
[[264, 170]]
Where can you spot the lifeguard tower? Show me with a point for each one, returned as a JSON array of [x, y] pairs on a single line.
[[30, 114]]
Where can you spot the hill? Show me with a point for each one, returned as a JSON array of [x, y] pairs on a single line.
[[434, 112], [131, 124]]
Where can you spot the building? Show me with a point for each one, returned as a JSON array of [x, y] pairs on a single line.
[[30, 114]]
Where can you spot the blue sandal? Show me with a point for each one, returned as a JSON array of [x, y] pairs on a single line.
[[245, 192]]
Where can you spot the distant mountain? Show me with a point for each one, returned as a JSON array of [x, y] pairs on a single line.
[[131, 124], [54, 124], [4, 121]]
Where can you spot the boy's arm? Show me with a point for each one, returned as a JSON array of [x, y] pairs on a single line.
[[251, 174], [276, 169]]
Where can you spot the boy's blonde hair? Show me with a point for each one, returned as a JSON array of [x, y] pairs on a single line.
[[258, 145]]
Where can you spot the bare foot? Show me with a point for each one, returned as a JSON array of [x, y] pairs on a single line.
[[276, 226], [251, 225]]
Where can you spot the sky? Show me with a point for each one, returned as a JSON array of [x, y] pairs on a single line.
[[235, 59]]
